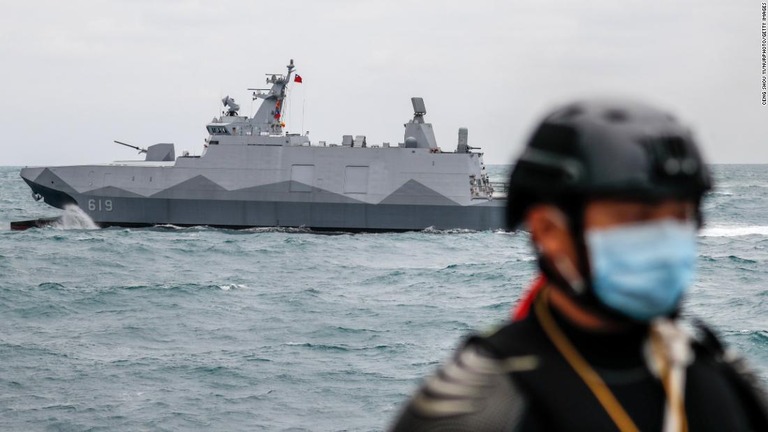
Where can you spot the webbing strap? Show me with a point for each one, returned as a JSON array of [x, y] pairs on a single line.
[[587, 374]]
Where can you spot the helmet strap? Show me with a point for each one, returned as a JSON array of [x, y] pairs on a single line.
[[575, 214], [571, 277]]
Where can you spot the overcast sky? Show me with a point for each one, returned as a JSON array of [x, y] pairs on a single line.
[[78, 74]]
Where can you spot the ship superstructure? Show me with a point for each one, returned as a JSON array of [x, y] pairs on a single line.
[[253, 174]]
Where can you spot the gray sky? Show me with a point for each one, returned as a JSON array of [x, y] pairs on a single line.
[[78, 74]]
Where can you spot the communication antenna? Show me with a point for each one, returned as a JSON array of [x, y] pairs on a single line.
[[303, 105]]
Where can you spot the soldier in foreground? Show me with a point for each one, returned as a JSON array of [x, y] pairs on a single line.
[[610, 192]]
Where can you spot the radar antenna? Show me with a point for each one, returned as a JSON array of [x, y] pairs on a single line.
[[232, 107], [419, 109]]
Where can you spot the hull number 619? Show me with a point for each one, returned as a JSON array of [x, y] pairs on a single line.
[[99, 205]]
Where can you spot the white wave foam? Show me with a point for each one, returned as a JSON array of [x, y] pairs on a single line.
[[169, 226], [433, 230], [232, 286], [734, 231], [289, 230], [74, 218]]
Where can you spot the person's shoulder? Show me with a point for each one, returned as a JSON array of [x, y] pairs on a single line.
[[717, 365], [512, 339], [469, 392]]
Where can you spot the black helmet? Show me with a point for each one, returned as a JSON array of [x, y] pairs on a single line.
[[602, 149]]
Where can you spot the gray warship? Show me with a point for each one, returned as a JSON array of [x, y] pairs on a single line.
[[251, 173]]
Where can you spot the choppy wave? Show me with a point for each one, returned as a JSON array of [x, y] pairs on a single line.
[[734, 231], [200, 328]]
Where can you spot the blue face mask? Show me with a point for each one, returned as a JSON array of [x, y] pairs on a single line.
[[642, 270]]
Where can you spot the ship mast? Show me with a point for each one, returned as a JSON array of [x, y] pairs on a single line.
[[268, 118]]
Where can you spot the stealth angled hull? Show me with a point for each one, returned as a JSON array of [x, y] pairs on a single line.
[[139, 196]]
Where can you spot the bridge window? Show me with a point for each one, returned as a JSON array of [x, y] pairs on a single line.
[[218, 130]]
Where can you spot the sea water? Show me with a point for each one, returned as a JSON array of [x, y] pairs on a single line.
[[168, 329]]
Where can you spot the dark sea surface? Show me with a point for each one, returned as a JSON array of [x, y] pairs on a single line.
[[167, 329]]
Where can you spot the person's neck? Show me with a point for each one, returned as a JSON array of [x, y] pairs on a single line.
[[581, 317]]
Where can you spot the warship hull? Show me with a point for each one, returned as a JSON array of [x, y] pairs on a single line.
[[314, 216], [371, 190]]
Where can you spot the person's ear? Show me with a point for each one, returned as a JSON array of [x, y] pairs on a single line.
[[549, 231], [551, 235]]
